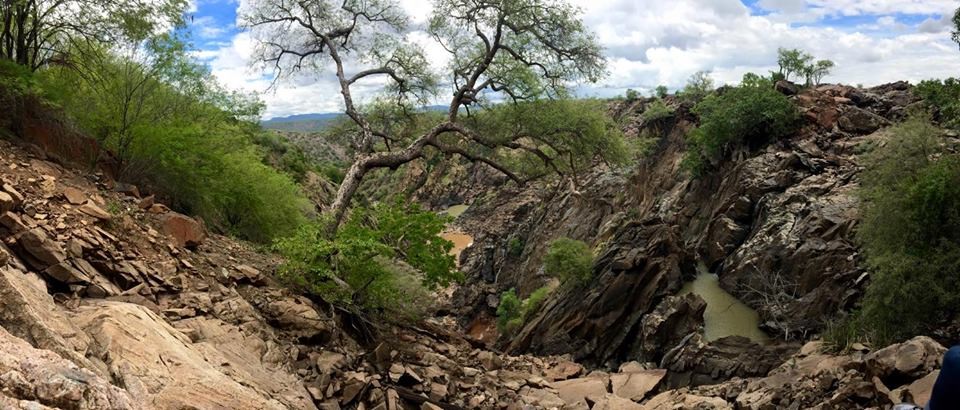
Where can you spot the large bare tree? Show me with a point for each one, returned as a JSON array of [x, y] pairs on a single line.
[[517, 50]]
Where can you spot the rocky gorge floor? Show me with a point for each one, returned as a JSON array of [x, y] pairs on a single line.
[[110, 300]]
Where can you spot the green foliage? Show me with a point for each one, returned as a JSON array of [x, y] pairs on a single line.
[[955, 34], [371, 259], [570, 260], [751, 113], [942, 97], [794, 61], [512, 312], [632, 95], [910, 233], [515, 246], [656, 111], [176, 132], [698, 87], [532, 303], [576, 133], [15, 77], [509, 316], [661, 91]]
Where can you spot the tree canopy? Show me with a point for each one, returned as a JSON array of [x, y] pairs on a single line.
[[37, 32], [517, 51]]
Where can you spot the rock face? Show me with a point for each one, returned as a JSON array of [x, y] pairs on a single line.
[[775, 219], [185, 231]]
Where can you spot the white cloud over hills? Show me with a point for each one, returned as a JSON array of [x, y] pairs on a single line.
[[649, 43]]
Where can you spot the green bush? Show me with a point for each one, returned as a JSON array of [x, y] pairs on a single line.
[[751, 113], [943, 98], [509, 312], [910, 233], [570, 260], [515, 246], [371, 260], [532, 303], [632, 95], [176, 132], [656, 111], [512, 312]]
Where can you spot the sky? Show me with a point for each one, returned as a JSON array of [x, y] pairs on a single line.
[[649, 43]]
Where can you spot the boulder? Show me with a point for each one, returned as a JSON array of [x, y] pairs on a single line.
[[29, 312], [74, 196], [635, 385], [95, 211], [152, 357], [912, 359], [787, 88], [43, 252], [13, 193], [38, 378], [860, 121], [7, 203], [672, 321], [185, 231], [579, 390]]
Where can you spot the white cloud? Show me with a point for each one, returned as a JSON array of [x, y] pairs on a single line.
[[664, 42]]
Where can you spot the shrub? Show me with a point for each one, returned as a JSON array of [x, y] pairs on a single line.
[[509, 312], [532, 303], [515, 246], [370, 262], [910, 233], [632, 95], [656, 111], [570, 260], [943, 98], [751, 113], [512, 312]]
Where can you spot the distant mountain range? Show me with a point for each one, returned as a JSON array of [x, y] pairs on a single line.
[[316, 122], [301, 122]]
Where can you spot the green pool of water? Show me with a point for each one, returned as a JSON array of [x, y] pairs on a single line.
[[455, 210], [725, 314]]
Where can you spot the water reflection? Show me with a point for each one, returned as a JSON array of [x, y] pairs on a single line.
[[725, 314]]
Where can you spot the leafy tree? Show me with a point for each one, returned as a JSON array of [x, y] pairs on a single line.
[[816, 71], [34, 33], [375, 251], [523, 50], [955, 35], [792, 61], [942, 97], [570, 260], [661, 91], [698, 87], [910, 233], [632, 95], [752, 112]]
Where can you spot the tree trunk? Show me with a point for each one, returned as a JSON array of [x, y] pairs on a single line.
[[351, 182]]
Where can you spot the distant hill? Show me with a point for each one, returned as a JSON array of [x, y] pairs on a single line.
[[315, 122], [301, 122]]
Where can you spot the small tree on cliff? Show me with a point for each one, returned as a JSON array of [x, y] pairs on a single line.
[[956, 24], [522, 50]]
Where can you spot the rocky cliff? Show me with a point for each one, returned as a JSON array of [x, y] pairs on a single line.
[[111, 300], [776, 222]]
